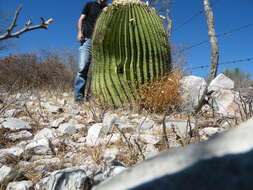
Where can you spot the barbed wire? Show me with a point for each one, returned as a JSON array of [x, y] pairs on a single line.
[[218, 36], [222, 63], [195, 15]]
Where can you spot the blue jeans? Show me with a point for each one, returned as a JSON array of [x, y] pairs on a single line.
[[82, 69]]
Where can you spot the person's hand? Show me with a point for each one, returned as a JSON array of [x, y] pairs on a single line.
[[80, 37]]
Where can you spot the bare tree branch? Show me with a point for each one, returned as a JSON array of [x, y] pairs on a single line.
[[10, 34]]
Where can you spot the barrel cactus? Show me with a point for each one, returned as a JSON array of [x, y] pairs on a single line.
[[130, 48]]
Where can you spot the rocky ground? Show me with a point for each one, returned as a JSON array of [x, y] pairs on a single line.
[[47, 141]]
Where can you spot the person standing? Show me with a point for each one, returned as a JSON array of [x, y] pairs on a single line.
[[86, 24]]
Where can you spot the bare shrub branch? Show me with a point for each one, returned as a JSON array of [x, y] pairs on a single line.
[[28, 26]]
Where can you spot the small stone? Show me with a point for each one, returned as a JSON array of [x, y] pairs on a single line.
[[29, 104], [54, 161], [41, 146], [12, 113], [7, 174], [20, 103], [67, 128], [109, 121], [20, 185], [150, 151], [51, 108], [180, 127], [14, 151], [110, 154], [209, 131], [62, 102], [75, 179], [115, 170], [81, 127], [93, 135], [112, 138], [145, 124], [78, 117], [14, 124], [57, 122], [149, 139], [45, 133], [19, 135]]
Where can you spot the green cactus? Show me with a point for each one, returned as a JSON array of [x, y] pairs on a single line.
[[130, 47]]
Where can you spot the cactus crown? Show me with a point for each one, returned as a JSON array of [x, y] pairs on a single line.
[[125, 1]]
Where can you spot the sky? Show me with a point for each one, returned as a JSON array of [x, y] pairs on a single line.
[[228, 15]]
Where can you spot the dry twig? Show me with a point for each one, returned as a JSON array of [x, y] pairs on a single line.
[[28, 26]]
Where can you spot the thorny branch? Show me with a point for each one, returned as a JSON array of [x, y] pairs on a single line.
[[28, 26]]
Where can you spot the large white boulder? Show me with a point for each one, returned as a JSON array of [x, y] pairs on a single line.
[[192, 91], [226, 102], [221, 82], [224, 161]]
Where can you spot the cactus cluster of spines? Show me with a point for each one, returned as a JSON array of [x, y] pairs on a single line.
[[130, 47]]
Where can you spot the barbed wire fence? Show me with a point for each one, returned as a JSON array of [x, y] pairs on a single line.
[[194, 16], [245, 60], [218, 36], [232, 31]]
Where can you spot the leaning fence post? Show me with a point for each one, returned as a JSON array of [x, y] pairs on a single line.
[[213, 41]]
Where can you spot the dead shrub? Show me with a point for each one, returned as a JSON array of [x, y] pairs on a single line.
[[4, 141], [45, 71], [162, 93]]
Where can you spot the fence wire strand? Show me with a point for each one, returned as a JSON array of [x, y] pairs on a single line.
[[222, 63], [218, 36], [193, 17]]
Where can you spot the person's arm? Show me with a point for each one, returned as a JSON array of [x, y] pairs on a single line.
[[81, 21], [80, 27]]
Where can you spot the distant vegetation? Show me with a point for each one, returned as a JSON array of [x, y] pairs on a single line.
[[241, 79], [48, 70]]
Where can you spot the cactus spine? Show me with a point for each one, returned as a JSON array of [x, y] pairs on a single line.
[[130, 47]]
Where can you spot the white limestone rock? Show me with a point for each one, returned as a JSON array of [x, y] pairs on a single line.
[[20, 185], [67, 179], [221, 82], [94, 134], [149, 139], [13, 152], [7, 174], [57, 122], [45, 133], [14, 124], [41, 146], [12, 112], [19, 135], [67, 128], [192, 91], [225, 158]]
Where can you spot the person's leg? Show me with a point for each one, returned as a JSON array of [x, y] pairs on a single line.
[[82, 69]]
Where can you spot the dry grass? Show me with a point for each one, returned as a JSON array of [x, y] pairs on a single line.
[[96, 153], [162, 93], [30, 173], [4, 141]]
